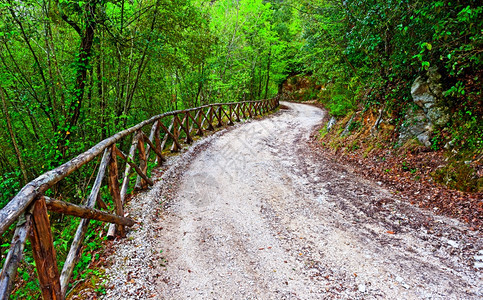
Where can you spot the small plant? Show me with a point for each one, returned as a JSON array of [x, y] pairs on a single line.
[[455, 90], [354, 146], [405, 167], [322, 133], [355, 126], [435, 142]]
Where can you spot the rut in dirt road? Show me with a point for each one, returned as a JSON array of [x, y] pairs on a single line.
[[256, 214]]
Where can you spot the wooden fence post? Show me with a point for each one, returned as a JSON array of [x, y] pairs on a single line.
[[44, 252], [157, 143], [185, 125], [113, 182], [219, 116], [237, 112], [127, 170], [230, 115], [143, 165], [175, 147], [210, 119], [200, 122], [76, 247], [14, 255]]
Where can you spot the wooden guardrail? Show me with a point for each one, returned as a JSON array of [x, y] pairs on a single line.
[[29, 207]]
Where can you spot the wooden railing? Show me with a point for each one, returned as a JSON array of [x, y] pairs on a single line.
[[30, 206]]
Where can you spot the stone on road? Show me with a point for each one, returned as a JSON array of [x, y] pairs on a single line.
[[257, 214]]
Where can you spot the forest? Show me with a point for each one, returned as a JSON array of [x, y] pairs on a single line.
[[73, 72]]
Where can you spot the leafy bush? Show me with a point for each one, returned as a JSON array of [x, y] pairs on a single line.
[[338, 99], [9, 185]]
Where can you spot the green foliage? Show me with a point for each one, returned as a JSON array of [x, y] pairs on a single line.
[[375, 49], [31, 288], [355, 125], [436, 142], [467, 131], [146, 57], [338, 99], [9, 185]]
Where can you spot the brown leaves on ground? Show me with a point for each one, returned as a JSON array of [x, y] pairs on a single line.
[[405, 172]]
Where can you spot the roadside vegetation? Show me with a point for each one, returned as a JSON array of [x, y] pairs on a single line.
[[362, 59]]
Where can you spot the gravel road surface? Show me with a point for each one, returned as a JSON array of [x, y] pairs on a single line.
[[252, 212]]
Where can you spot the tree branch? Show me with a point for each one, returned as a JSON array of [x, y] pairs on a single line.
[[72, 24]]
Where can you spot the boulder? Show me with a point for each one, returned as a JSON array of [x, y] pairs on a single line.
[[418, 126], [427, 94]]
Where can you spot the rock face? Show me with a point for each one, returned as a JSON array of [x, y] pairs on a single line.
[[427, 94], [417, 126]]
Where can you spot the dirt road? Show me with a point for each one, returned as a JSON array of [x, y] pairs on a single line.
[[254, 213]]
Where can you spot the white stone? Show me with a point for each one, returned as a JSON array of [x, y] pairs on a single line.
[[453, 244]]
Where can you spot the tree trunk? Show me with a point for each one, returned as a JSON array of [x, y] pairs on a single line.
[[12, 136], [100, 93], [84, 59], [268, 71]]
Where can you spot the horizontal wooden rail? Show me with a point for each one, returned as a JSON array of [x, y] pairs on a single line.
[[85, 212], [29, 207]]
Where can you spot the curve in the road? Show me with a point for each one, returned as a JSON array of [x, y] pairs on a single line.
[[258, 215]]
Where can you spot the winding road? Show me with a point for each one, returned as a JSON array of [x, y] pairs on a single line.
[[253, 212]]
